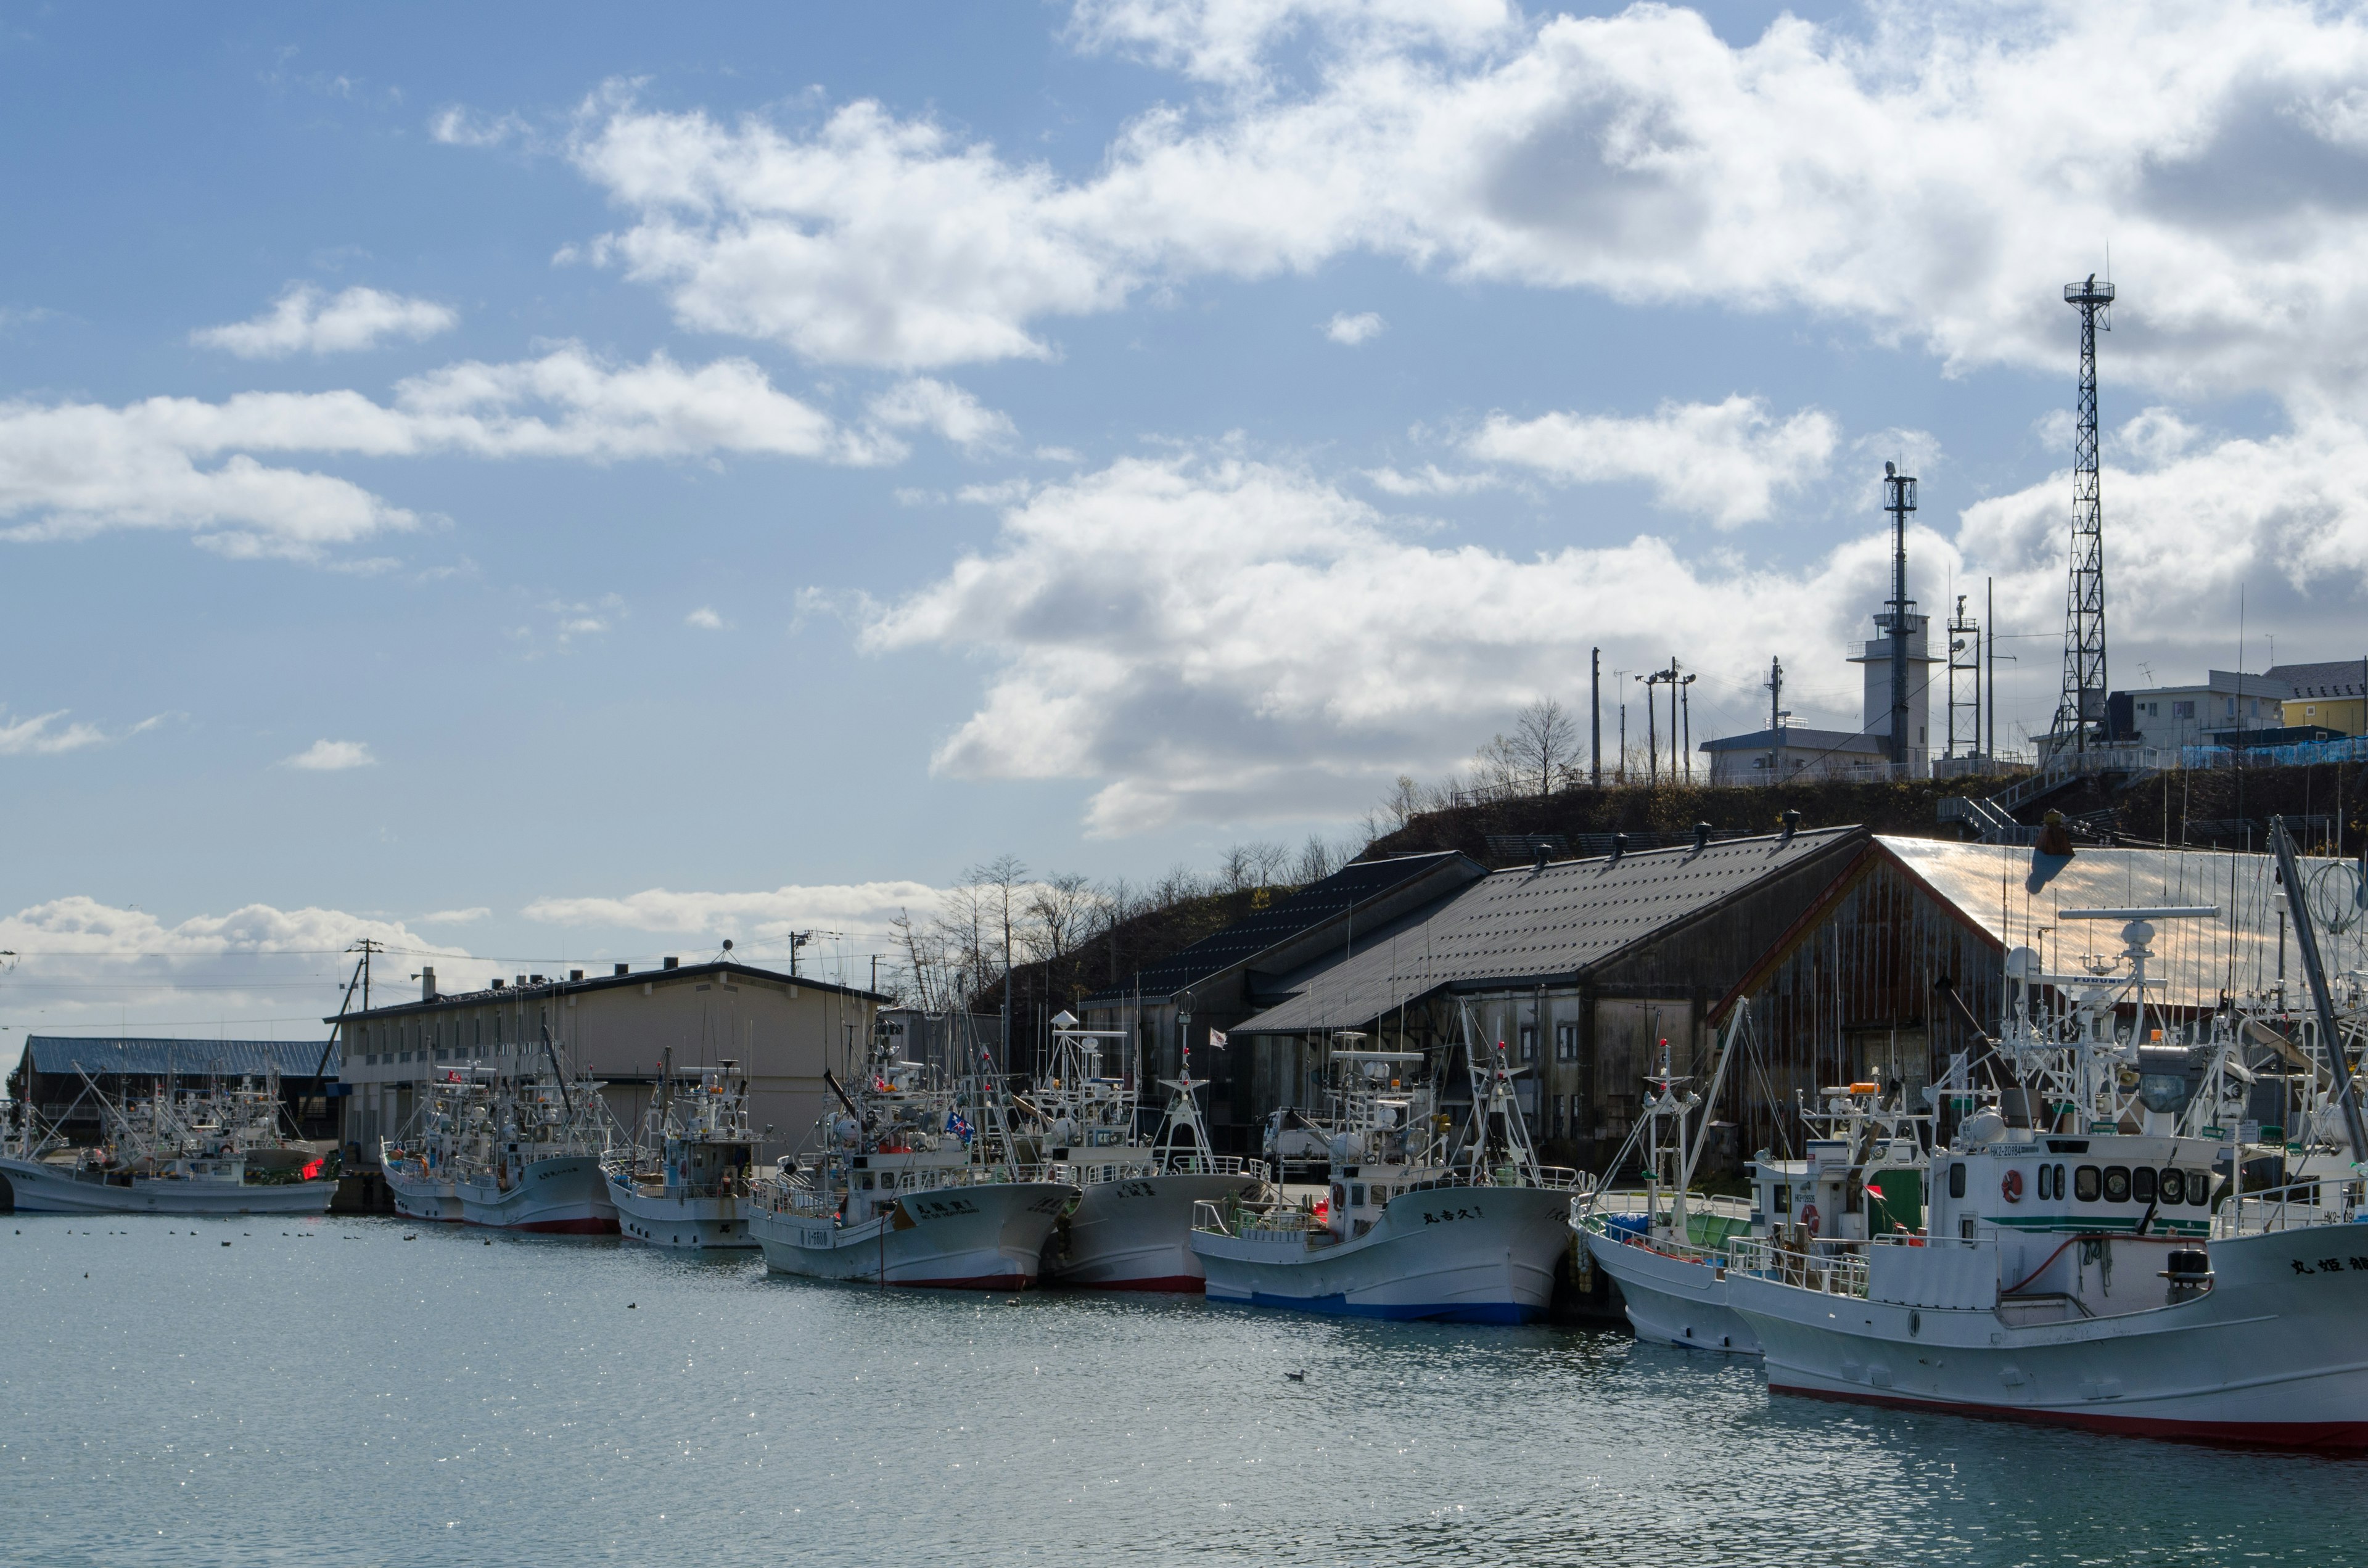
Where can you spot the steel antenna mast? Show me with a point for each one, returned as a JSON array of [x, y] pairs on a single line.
[[2081, 712], [1899, 499]]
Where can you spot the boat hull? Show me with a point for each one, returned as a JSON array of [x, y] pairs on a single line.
[[2275, 1353], [1671, 1299], [986, 1237], [566, 1195], [50, 1189], [1454, 1255], [704, 1224], [1135, 1234], [430, 1200]]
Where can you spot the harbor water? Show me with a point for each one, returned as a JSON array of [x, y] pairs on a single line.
[[342, 1391]]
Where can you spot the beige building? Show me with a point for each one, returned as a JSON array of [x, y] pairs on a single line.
[[781, 1029]]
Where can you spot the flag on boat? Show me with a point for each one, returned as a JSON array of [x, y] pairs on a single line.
[[956, 1125], [1217, 1038]]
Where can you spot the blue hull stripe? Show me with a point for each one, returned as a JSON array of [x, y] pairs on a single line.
[[1446, 1312]]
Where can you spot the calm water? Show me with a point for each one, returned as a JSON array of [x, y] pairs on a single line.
[[330, 1394]]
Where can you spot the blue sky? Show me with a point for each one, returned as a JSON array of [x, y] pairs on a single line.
[[542, 483]]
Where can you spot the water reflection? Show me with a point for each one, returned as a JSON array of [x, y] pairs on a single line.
[[333, 1392]]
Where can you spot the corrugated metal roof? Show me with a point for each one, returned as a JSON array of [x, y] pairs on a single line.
[[2018, 895], [1311, 906], [188, 1058], [1523, 923]]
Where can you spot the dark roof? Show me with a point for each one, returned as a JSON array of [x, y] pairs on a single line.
[[186, 1058], [1794, 737], [2331, 677], [1340, 893], [1523, 924], [559, 985]]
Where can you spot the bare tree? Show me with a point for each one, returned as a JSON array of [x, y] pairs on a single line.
[[1316, 861], [1060, 910], [1546, 737]]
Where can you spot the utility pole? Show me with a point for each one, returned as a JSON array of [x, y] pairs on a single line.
[[1775, 716], [1652, 732], [1686, 701], [2081, 708], [1624, 724], [1989, 618], [1595, 712], [366, 947]]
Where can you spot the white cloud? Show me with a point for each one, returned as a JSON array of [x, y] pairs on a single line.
[[705, 619], [1352, 330], [87, 963], [1429, 479], [455, 916], [304, 321], [1221, 640], [457, 126], [856, 907], [79, 469], [1229, 641], [38, 736], [331, 757], [1911, 179], [1228, 40], [923, 402], [1725, 460]]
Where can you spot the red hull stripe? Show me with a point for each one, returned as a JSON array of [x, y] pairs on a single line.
[[2234, 1433], [1192, 1284], [977, 1282]]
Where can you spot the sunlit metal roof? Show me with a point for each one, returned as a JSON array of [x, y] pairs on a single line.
[[1527, 923], [184, 1058]]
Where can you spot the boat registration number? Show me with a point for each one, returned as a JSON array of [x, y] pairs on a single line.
[[1448, 1216]]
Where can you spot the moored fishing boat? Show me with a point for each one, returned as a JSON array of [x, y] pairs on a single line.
[[531, 1156], [2091, 1266], [688, 1189], [1132, 1227], [904, 1189], [419, 1167], [221, 1151], [1420, 1222], [1666, 1247]]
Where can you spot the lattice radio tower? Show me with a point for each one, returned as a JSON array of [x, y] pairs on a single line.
[[2081, 712]]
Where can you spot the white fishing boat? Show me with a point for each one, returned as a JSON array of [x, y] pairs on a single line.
[[419, 1167], [1132, 1229], [905, 1189], [1420, 1221], [2101, 1275], [220, 1151], [1667, 1246], [530, 1154], [687, 1187]]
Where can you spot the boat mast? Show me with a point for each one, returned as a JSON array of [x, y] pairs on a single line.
[[2346, 1097]]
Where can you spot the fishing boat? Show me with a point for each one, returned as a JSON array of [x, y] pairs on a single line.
[[530, 1154], [2091, 1264], [904, 1188], [1666, 1247], [686, 1186], [1132, 1228], [220, 1151], [1423, 1220], [419, 1167]]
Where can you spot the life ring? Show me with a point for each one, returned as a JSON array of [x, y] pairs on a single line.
[[2011, 1185], [1809, 1218]]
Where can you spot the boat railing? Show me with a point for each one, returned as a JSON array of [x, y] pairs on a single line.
[[1258, 1221], [1819, 1265], [2287, 1207], [1216, 1164]]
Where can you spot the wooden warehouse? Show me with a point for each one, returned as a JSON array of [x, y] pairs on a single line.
[[1582, 968]]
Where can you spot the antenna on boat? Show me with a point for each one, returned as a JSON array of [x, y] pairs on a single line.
[[2346, 1097]]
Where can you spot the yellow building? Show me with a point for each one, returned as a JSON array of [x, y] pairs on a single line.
[[2332, 695]]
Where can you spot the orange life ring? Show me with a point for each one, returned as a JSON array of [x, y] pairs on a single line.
[[1809, 1217], [2011, 1185]]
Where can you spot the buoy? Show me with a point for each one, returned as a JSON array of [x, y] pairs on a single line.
[[2010, 1185]]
